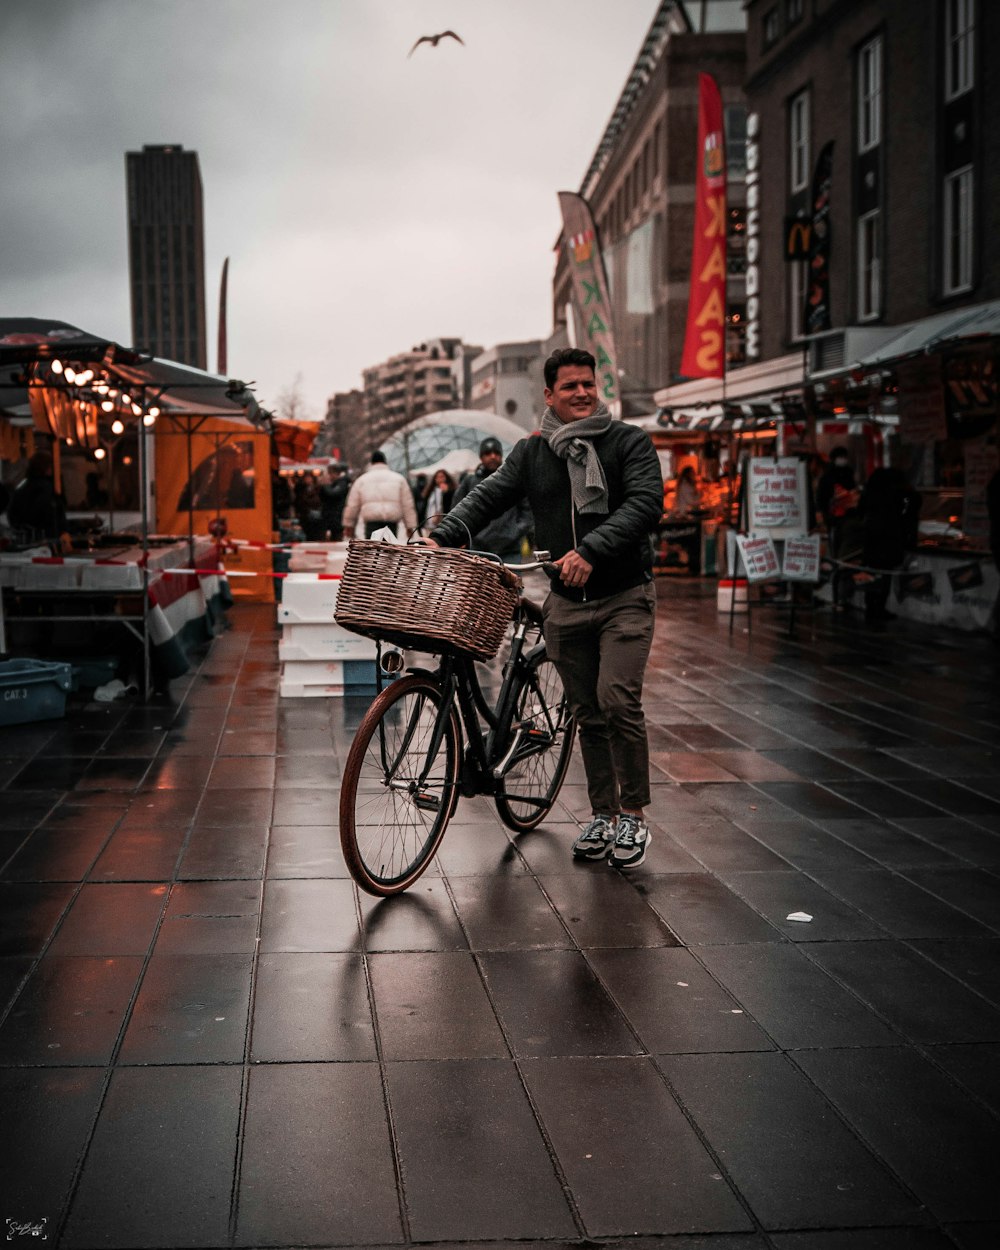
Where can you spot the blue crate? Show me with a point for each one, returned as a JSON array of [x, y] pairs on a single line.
[[33, 690], [359, 673]]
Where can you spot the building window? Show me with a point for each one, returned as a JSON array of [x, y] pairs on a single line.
[[798, 141], [870, 95], [958, 231], [793, 11], [797, 278], [772, 27], [869, 275], [960, 46]]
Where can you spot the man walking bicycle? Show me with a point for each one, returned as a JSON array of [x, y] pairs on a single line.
[[596, 493]]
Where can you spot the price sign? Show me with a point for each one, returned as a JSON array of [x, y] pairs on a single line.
[[776, 493], [801, 558], [759, 557]]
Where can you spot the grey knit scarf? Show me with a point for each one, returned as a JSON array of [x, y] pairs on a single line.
[[574, 443]]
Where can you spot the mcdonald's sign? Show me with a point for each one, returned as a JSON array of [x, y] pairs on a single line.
[[798, 233]]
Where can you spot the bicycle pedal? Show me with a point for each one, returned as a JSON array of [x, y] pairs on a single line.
[[427, 802]]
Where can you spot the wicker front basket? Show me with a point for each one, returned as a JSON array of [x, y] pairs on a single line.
[[427, 598]]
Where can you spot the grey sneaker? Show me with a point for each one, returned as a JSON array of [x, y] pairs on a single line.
[[596, 839], [631, 839]]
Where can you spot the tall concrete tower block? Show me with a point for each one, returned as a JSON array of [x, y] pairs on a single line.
[[167, 253]]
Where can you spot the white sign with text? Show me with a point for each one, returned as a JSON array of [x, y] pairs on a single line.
[[776, 496], [800, 561], [760, 560]]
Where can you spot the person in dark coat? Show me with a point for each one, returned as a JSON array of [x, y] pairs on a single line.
[[36, 507], [502, 536], [333, 496], [890, 513], [596, 495]]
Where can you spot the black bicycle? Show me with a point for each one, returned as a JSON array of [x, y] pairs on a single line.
[[432, 735]]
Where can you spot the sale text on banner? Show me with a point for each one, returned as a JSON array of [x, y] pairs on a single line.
[[760, 559], [800, 559], [777, 497]]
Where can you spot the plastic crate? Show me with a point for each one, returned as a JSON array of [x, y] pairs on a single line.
[[33, 690]]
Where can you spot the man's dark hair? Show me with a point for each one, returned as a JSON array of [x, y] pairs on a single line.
[[378, 457], [566, 356]]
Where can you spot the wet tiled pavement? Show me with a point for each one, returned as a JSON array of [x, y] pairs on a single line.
[[210, 1039]]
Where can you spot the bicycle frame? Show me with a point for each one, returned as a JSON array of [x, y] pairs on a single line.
[[481, 770]]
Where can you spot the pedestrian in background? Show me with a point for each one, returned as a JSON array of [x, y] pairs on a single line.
[[504, 535], [379, 497], [890, 513], [438, 495], [333, 497]]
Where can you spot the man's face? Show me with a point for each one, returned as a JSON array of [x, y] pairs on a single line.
[[490, 460], [574, 393]]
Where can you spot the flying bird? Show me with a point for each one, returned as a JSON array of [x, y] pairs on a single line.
[[434, 40]]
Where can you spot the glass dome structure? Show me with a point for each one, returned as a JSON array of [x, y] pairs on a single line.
[[448, 440]]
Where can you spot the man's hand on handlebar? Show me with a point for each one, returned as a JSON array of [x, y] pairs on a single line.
[[573, 569]]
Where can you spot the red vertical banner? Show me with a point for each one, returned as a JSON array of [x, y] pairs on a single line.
[[705, 338]]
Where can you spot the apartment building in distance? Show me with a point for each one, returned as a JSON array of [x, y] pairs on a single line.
[[641, 189], [507, 380], [343, 429], [410, 385], [166, 251]]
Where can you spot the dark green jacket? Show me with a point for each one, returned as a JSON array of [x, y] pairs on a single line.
[[616, 543]]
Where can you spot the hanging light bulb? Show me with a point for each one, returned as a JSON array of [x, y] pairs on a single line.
[[98, 453], [57, 366], [84, 377], [126, 399], [112, 393], [137, 410], [117, 427], [154, 412], [126, 459], [149, 419], [69, 374], [101, 388], [107, 405]]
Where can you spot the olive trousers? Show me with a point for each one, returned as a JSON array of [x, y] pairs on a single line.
[[600, 649]]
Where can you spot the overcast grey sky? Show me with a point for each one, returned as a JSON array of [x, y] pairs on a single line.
[[367, 201]]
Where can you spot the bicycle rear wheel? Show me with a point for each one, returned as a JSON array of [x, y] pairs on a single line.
[[541, 758], [395, 801]]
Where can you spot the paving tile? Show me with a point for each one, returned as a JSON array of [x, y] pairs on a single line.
[[808, 764], [886, 844], [975, 962], [309, 916], [742, 803], [118, 919], [48, 1113], [632, 1161], [255, 772], [975, 1067], [317, 1164], [701, 911], [422, 919], [976, 1236], [902, 908], [115, 773], [472, 849], [305, 851], [971, 892], [784, 1148], [53, 773], [808, 847], [550, 1003], [55, 854], [507, 913], [824, 801], [796, 1002], [223, 853], [719, 844], [602, 908], [70, 1012], [190, 1009], [306, 807], [689, 766], [30, 913], [474, 1164], [13, 969], [308, 772], [876, 798], [935, 1138], [958, 798], [311, 1008], [914, 996], [433, 1005], [161, 1161], [673, 1005], [140, 855], [864, 1239], [957, 838], [28, 809]]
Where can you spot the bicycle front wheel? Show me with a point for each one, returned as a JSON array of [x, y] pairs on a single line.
[[397, 797], [544, 731]]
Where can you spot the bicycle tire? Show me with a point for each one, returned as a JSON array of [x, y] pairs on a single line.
[[389, 831], [533, 781]]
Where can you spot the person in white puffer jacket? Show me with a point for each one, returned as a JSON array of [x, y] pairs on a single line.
[[379, 497]]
